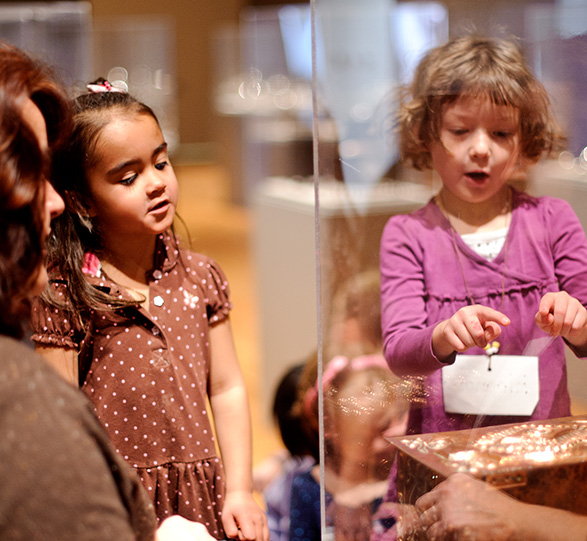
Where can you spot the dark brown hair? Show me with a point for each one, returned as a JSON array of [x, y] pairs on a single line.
[[475, 66], [75, 233], [22, 169]]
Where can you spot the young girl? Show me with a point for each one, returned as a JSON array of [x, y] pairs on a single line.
[[363, 403], [142, 324], [482, 263]]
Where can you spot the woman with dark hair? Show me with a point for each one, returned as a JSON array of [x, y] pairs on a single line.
[[60, 478]]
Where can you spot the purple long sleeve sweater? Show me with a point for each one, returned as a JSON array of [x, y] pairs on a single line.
[[423, 283]]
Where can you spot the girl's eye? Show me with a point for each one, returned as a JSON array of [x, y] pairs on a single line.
[[161, 165], [127, 181], [502, 134], [458, 131]]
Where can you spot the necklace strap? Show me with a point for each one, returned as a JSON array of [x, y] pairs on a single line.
[[442, 208]]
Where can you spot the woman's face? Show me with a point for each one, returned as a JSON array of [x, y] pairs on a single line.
[[53, 204]]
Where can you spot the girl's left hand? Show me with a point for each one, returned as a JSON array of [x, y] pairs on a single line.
[[243, 519], [559, 314]]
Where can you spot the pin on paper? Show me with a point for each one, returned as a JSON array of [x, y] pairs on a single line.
[[491, 349]]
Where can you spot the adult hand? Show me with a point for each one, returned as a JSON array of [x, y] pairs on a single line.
[[178, 528], [474, 325], [559, 314], [465, 508], [243, 519]]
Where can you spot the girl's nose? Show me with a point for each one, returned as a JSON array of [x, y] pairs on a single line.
[[54, 204], [156, 183], [379, 445], [479, 145]]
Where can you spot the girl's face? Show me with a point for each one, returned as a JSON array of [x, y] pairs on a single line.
[[362, 436], [478, 149], [53, 204], [133, 187]]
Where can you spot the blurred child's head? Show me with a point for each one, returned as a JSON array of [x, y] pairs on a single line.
[[475, 67], [364, 402], [355, 325], [299, 434]]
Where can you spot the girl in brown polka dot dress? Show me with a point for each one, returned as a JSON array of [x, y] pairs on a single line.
[[142, 324]]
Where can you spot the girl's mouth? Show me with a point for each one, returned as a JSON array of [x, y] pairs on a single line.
[[159, 206], [477, 176]]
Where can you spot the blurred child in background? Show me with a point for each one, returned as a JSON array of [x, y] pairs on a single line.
[[363, 404]]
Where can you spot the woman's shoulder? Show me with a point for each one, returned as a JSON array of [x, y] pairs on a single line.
[[23, 373]]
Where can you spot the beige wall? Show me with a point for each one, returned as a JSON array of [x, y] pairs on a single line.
[[195, 22]]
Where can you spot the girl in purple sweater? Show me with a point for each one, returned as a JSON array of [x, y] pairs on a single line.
[[482, 265]]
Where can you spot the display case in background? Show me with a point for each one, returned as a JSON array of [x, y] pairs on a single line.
[[263, 96], [139, 54], [135, 52], [57, 32]]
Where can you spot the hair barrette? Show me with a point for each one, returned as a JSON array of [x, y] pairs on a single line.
[[103, 86], [335, 367]]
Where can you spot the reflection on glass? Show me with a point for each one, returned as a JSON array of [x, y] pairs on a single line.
[[363, 404], [476, 247]]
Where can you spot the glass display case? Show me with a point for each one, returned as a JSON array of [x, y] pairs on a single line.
[[321, 173]]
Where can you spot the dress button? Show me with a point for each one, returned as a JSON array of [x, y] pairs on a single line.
[[156, 331], [157, 274], [158, 301]]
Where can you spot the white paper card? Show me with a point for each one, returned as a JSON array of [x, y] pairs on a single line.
[[511, 387]]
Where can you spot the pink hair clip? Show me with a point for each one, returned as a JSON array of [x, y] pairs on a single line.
[[104, 86], [335, 367], [92, 265]]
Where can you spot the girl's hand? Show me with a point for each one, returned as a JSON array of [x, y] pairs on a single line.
[[243, 519], [471, 326], [559, 314]]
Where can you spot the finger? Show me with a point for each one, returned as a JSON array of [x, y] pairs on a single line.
[[460, 342], [247, 532], [265, 531], [467, 332], [580, 319], [429, 517], [487, 314], [492, 331], [425, 502], [543, 320], [577, 319], [559, 314], [568, 321], [259, 534], [546, 304], [230, 526]]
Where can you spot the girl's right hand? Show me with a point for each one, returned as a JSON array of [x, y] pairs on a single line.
[[471, 326]]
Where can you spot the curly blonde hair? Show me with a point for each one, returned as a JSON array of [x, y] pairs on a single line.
[[475, 66]]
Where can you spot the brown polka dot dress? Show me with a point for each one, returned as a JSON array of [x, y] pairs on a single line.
[[147, 378]]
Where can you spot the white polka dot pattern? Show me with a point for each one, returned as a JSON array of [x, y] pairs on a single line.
[[148, 383]]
